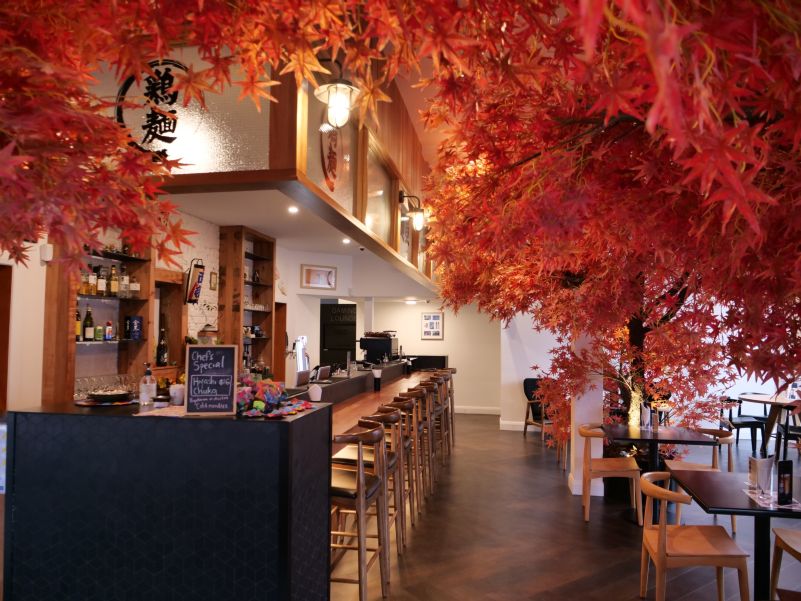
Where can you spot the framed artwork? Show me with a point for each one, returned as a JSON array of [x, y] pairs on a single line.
[[318, 276], [433, 326], [213, 281]]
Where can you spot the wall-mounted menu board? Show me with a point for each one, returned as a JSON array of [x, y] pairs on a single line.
[[211, 379]]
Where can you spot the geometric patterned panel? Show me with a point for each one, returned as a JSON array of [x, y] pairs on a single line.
[[104, 508]]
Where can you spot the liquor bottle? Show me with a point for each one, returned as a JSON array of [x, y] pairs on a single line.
[[109, 333], [147, 387], [78, 323], [102, 282], [134, 288], [100, 333], [92, 280], [84, 287], [88, 325], [162, 353], [125, 285], [113, 282]]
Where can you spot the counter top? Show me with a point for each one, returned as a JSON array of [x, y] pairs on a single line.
[[133, 410]]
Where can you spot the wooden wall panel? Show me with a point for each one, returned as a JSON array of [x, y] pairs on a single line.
[[396, 136]]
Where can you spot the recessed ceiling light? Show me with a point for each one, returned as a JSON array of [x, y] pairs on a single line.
[[345, 240], [411, 302], [293, 209]]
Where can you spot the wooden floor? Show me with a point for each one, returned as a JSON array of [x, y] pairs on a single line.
[[503, 526]]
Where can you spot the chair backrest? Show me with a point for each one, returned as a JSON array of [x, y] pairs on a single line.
[[652, 491], [373, 436], [724, 437], [588, 432], [392, 421], [530, 387]]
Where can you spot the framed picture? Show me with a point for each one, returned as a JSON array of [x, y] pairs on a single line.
[[213, 281], [433, 325], [318, 276]]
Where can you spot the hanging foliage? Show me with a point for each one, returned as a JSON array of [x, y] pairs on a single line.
[[622, 169]]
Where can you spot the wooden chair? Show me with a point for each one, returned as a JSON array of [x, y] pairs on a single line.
[[534, 413], [393, 470], [357, 490], [441, 416], [669, 546], [725, 438], [754, 423], [607, 467], [786, 540]]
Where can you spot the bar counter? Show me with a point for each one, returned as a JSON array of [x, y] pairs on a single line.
[[104, 505], [342, 389]]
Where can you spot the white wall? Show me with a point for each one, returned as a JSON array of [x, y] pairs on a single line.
[[521, 347], [205, 246], [471, 341], [26, 332], [303, 304]]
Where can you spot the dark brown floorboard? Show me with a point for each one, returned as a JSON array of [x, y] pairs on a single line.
[[502, 526]]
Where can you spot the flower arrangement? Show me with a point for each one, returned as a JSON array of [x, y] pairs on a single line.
[[259, 398]]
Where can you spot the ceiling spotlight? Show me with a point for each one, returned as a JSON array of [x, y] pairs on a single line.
[[411, 302], [293, 209], [345, 240]]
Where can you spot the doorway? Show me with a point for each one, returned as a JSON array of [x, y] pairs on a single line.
[[337, 333]]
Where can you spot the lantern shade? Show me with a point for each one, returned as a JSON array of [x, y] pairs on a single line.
[[418, 219], [338, 96]]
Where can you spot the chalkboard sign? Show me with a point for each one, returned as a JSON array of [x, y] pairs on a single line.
[[210, 379]]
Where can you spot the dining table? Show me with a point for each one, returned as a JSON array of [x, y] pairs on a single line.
[[724, 493], [653, 437], [777, 403]]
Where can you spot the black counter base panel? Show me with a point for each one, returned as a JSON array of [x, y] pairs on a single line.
[[159, 509]]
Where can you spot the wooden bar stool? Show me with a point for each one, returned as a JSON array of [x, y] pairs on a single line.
[[408, 410], [393, 470], [441, 420], [786, 540], [425, 434], [356, 490]]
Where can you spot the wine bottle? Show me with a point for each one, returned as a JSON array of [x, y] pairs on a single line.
[[134, 288], [78, 323], [88, 325], [162, 352]]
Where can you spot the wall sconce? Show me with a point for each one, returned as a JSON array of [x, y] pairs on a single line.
[[416, 213], [339, 96]]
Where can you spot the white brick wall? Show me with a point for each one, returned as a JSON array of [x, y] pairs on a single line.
[[205, 246]]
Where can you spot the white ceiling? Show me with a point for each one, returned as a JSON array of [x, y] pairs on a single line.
[[267, 211]]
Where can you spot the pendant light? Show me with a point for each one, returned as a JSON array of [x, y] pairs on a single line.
[[339, 96]]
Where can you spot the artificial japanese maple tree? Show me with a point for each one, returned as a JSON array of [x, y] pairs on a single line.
[[622, 169], [630, 174]]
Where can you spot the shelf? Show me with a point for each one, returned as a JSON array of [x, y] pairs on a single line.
[[255, 310], [254, 257], [115, 256], [257, 284], [108, 298], [252, 339], [93, 342]]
